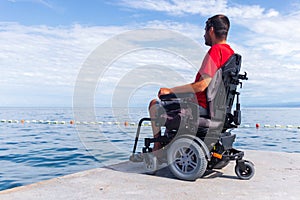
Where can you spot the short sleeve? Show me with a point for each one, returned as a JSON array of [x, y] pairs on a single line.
[[211, 62]]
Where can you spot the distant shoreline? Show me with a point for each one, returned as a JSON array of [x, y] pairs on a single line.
[[99, 107], [272, 106]]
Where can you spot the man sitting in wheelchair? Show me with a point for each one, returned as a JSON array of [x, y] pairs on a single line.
[[196, 116], [216, 31]]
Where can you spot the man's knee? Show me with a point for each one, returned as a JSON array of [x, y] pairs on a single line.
[[152, 103]]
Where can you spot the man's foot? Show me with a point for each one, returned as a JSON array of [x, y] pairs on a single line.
[[160, 155], [137, 157], [156, 147]]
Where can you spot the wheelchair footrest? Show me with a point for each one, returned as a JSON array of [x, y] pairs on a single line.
[[234, 155]]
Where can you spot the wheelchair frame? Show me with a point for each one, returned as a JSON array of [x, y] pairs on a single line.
[[187, 149]]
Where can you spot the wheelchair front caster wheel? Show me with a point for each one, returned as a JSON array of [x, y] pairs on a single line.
[[245, 171], [150, 163]]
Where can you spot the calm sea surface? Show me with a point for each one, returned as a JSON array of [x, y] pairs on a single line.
[[38, 150]]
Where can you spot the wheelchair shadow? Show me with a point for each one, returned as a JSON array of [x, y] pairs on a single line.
[[163, 171], [209, 174]]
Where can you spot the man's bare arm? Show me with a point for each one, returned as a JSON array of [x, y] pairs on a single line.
[[199, 86]]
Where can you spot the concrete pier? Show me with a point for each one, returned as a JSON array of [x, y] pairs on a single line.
[[277, 177]]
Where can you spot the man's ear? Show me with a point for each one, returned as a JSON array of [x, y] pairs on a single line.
[[211, 30], [212, 34]]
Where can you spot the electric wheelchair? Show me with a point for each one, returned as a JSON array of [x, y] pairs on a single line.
[[192, 144]]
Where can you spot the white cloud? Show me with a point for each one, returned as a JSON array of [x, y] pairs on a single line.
[[42, 62], [142, 72], [203, 7], [192, 31], [39, 61], [269, 30], [272, 56]]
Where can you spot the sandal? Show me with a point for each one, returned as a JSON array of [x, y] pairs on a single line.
[[137, 157]]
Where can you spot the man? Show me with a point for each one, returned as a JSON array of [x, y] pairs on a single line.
[[216, 31]]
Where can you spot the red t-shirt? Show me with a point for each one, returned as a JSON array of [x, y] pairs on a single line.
[[217, 56]]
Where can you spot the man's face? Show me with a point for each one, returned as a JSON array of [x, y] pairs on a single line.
[[207, 37]]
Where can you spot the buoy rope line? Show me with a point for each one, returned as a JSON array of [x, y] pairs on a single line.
[[72, 122]]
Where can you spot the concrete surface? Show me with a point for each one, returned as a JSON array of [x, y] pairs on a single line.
[[277, 177]]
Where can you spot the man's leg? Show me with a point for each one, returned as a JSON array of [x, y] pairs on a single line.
[[155, 129]]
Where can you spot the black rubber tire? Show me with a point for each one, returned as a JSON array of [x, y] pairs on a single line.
[[245, 174], [186, 159]]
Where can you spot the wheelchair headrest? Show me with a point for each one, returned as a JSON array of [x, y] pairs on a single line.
[[232, 65]]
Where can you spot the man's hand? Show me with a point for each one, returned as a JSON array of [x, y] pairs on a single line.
[[164, 91]]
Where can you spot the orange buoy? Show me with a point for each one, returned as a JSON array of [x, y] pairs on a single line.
[[257, 125], [22, 121], [126, 123], [72, 122]]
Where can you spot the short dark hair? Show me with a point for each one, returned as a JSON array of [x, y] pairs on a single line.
[[221, 25]]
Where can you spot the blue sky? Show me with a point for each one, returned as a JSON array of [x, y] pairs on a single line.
[[44, 43]]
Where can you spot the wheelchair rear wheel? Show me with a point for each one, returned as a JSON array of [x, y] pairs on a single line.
[[186, 159]]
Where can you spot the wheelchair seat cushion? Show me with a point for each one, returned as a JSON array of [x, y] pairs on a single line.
[[208, 123]]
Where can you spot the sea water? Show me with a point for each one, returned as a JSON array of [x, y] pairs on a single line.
[[43, 144]]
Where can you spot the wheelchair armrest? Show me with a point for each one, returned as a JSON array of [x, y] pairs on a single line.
[[173, 96]]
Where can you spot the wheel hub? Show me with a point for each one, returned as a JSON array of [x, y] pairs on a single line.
[[186, 161]]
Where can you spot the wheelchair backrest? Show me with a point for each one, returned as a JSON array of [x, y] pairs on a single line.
[[230, 75], [222, 88]]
